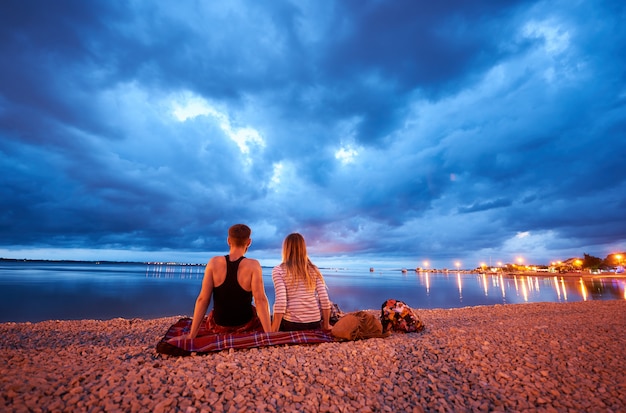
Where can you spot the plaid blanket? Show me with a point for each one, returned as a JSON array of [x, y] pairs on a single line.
[[208, 341]]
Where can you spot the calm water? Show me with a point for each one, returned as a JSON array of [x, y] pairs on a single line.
[[35, 292]]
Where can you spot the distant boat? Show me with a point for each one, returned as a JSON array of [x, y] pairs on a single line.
[[404, 270]]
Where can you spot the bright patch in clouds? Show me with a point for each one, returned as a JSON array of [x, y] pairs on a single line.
[[556, 39], [276, 175], [346, 155], [191, 106]]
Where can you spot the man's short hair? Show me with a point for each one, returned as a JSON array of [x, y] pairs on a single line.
[[239, 234]]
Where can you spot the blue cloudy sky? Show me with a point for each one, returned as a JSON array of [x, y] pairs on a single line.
[[386, 132]]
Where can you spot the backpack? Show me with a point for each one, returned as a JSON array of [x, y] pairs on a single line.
[[396, 315]]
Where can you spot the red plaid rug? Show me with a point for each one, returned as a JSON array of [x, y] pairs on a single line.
[[207, 342]]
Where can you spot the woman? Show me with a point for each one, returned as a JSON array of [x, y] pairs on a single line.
[[301, 300]]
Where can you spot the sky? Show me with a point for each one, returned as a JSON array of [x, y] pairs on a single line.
[[402, 133]]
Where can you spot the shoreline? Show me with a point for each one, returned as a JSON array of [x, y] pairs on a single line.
[[546, 356]]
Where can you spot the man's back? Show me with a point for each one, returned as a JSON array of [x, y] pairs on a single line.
[[247, 269], [249, 279], [232, 303]]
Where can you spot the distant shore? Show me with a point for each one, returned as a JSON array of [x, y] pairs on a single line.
[[42, 261], [433, 271], [559, 357]]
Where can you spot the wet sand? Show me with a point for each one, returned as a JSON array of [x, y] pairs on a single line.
[[552, 357]]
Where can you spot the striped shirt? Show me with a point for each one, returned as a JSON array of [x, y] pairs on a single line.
[[295, 301]]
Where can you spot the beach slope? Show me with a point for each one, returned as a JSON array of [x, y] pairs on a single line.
[[553, 357]]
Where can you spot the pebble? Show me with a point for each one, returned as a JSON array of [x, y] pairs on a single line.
[[551, 357]]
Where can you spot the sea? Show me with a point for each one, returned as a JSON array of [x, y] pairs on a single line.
[[50, 290]]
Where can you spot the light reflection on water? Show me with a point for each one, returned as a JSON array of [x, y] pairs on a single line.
[[35, 292]]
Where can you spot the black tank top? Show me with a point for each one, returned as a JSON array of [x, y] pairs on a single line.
[[232, 304]]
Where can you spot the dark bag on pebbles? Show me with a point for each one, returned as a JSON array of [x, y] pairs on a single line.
[[335, 314], [396, 315]]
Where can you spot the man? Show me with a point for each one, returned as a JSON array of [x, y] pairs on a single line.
[[233, 280]]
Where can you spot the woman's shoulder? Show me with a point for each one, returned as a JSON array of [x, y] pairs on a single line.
[[279, 267], [314, 268]]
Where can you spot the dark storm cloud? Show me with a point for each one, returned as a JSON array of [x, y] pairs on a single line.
[[418, 44], [51, 70], [497, 203], [395, 129], [407, 46]]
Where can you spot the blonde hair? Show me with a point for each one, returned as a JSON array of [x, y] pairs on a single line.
[[297, 263]]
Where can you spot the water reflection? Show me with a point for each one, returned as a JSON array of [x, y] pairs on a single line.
[[540, 288], [174, 271], [31, 292], [353, 290], [597, 288]]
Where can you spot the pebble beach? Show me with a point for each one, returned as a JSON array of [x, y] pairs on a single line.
[[546, 357]]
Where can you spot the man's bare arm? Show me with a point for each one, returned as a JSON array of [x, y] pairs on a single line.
[[203, 300], [260, 299]]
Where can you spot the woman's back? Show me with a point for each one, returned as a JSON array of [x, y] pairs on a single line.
[[295, 299], [301, 299]]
